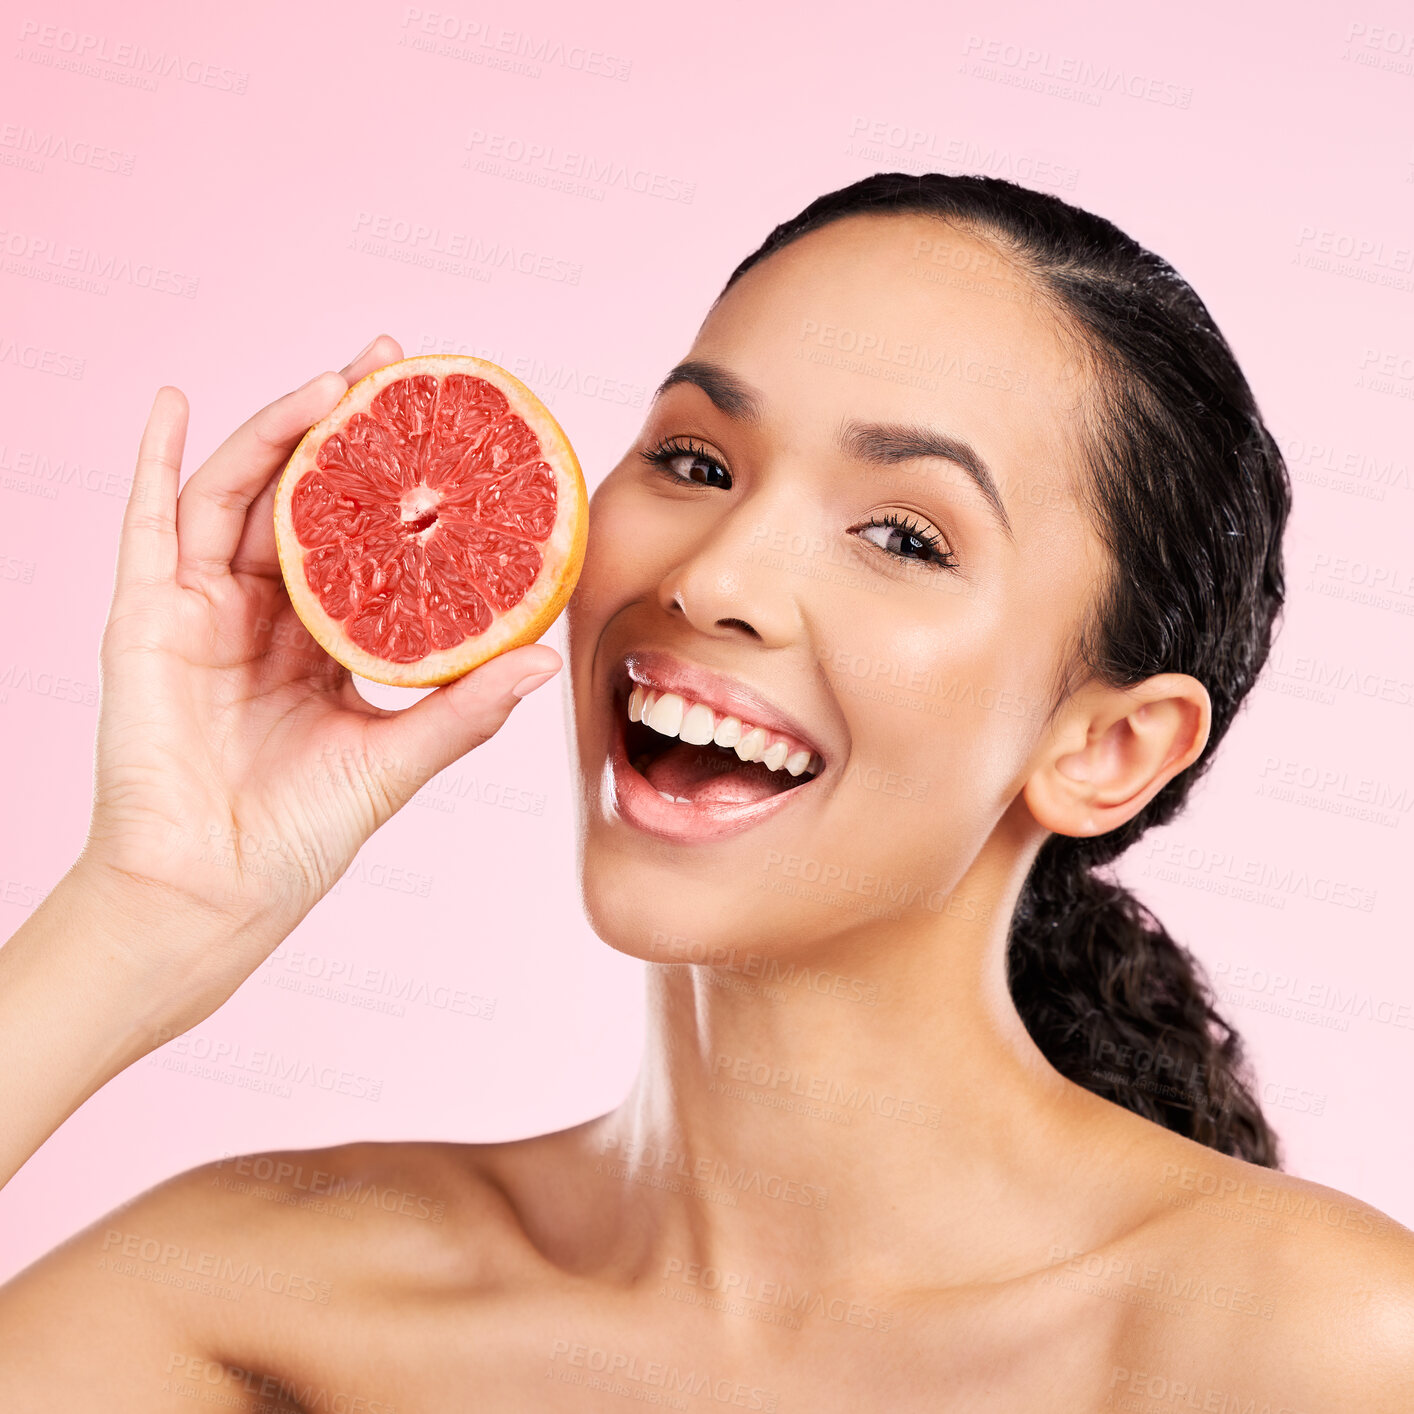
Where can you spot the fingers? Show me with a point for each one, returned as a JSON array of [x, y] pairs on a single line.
[[211, 511], [459, 716], [147, 546], [385, 349], [255, 551]]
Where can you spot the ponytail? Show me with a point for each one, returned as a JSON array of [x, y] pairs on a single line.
[[1117, 1006]]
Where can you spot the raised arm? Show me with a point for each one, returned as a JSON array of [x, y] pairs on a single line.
[[238, 771]]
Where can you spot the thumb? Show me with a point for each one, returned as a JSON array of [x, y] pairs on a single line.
[[442, 727]]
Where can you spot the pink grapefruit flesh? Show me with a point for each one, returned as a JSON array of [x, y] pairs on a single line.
[[435, 518]]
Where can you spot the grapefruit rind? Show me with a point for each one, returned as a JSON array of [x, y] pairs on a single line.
[[563, 552]]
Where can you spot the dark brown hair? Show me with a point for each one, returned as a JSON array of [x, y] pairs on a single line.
[[1191, 495]]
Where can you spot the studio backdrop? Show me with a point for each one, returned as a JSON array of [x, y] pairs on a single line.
[[231, 199]]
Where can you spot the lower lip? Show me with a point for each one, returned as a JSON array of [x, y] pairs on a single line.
[[628, 794]]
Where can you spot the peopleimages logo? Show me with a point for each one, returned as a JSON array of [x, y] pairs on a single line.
[[380, 989], [764, 1291], [620, 1365], [187, 1373], [457, 37], [734, 1177], [32, 148], [177, 1258], [1221, 871], [579, 173], [40, 359], [829, 1090], [19, 677], [676, 947], [323, 1183], [229, 1062], [58, 262], [919, 149], [1313, 1207], [61, 48], [1026, 66], [461, 253], [847, 348]]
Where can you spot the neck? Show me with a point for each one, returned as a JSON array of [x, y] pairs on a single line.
[[878, 1103]]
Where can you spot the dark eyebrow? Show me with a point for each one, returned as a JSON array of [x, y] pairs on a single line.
[[880, 443], [733, 397], [884, 443]]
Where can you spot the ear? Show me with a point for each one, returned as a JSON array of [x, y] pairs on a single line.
[[1115, 749]]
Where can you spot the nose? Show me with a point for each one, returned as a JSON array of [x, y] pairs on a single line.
[[725, 588]]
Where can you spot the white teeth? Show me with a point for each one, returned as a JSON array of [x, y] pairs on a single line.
[[728, 731], [670, 714], [696, 727], [676, 799], [752, 745], [665, 715], [775, 756]]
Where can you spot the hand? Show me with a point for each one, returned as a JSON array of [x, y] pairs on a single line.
[[238, 769]]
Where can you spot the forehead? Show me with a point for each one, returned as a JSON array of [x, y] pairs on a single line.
[[905, 318]]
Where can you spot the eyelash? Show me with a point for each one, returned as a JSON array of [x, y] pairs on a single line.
[[669, 449]]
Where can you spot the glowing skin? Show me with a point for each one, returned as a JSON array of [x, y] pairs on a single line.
[[910, 891], [940, 676], [842, 1102]]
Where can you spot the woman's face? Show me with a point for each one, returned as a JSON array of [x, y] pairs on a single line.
[[861, 533]]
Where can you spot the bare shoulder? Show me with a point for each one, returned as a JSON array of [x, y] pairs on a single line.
[[239, 1263], [1302, 1294], [1342, 1282], [367, 1217]]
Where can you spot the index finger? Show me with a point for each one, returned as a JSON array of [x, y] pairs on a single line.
[[147, 546]]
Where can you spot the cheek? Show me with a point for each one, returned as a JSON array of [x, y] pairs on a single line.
[[937, 712], [624, 545], [600, 587]]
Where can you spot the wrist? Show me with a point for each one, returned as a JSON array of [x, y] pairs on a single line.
[[164, 961]]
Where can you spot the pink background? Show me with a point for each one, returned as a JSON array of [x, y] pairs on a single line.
[[285, 188]]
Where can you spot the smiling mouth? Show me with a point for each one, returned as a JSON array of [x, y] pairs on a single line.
[[692, 755], [692, 774]]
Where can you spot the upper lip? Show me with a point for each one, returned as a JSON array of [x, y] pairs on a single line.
[[665, 672]]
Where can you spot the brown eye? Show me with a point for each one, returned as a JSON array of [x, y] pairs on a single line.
[[680, 462], [909, 540]]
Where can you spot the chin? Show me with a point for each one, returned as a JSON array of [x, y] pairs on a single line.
[[644, 907]]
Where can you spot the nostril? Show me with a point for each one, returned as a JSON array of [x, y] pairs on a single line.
[[738, 623]]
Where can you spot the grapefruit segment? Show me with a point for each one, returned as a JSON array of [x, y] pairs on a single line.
[[435, 518]]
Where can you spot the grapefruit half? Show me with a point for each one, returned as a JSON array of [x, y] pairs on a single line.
[[435, 518]]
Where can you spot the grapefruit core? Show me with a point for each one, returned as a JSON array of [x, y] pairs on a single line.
[[435, 518]]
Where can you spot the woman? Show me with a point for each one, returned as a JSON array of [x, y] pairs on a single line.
[[959, 496]]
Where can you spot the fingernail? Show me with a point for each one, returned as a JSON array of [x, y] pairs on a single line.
[[365, 348], [528, 685]]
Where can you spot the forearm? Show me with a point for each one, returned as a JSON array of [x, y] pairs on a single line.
[[79, 1002]]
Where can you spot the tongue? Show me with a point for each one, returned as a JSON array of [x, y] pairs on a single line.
[[711, 775]]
